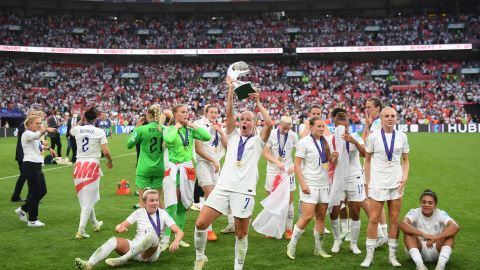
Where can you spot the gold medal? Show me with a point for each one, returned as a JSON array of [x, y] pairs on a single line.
[[280, 159], [238, 163], [216, 149], [325, 166]]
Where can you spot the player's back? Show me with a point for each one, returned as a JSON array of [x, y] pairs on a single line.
[[89, 140], [151, 149]]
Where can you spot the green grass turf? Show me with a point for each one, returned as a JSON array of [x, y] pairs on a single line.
[[446, 163]]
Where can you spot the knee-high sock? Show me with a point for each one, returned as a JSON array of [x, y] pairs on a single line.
[[84, 217], [297, 232], [318, 239], [290, 216], [344, 225], [355, 231], [371, 243], [93, 218], [200, 239], [336, 229], [148, 241], [231, 219], [392, 247], [416, 256], [103, 251], [181, 216], [241, 247], [172, 211], [445, 253]]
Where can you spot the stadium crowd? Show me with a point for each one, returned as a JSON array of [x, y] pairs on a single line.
[[74, 31], [423, 91]]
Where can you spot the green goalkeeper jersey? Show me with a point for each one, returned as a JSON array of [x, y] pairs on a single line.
[[150, 161], [177, 151]]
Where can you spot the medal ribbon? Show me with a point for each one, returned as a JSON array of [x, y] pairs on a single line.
[[389, 152], [322, 154], [184, 139], [155, 226], [281, 149], [241, 147]]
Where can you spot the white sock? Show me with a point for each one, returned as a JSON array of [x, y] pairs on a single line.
[[209, 227], [384, 229], [103, 251], [349, 225], [445, 253], [241, 248], [318, 239], [290, 216], [84, 217], [355, 231], [148, 241], [370, 243], [336, 229], [231, 220], [380, 232], [200, 239], [93, 218], [416, 256], [392, 247], [344, 224], [297, 232]]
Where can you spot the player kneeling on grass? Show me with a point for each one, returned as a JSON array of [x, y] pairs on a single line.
[[429, 232], [151, 221]]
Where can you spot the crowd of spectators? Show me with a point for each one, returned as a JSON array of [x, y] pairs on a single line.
[[237, 31], [421, 91]]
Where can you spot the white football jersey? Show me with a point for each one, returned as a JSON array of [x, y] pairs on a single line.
[[433, 225], [242, 179], [315, 175], [353, 154], [89, 139], [140, 216], [376, 125], [274, 144], [386, 174], [215, 152]]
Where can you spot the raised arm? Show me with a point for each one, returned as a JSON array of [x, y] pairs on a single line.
[[268, 123], [229, 111]]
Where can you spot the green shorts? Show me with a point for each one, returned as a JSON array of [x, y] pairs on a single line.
[[145, 182]]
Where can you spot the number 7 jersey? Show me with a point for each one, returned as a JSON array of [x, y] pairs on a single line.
[[89, 139], [150, 139]]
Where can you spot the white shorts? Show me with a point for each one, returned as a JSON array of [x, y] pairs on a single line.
[[206, 173], [270, 178], [139, 258], [428, 254], [381, 195], [316, 196], [240, 205], [355, 188]]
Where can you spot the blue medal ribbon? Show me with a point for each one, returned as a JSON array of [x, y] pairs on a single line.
[[40, 147], [389, 152], [281, 149], [184, 139], [241, 147], [216, 140], [155, 226], [323, 155]]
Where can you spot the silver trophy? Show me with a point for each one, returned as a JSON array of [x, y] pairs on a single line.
[[235, 71]]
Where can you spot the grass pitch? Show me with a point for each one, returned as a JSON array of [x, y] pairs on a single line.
[[446, 163]]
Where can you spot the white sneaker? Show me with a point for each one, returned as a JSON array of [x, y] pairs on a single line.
[[291, 251], [393, 261], [422, 267], [36, 223], [195, 207], [114, 262], [228, 229], [336, 246], [199, 264], [22, 215], [348, 237], [322, 253], [82, 265], [184, 244], [326, 231], [367, 262], [82, 235], [98, 226], [354, 248]]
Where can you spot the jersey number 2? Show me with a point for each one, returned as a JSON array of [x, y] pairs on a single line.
[[85, 144]]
